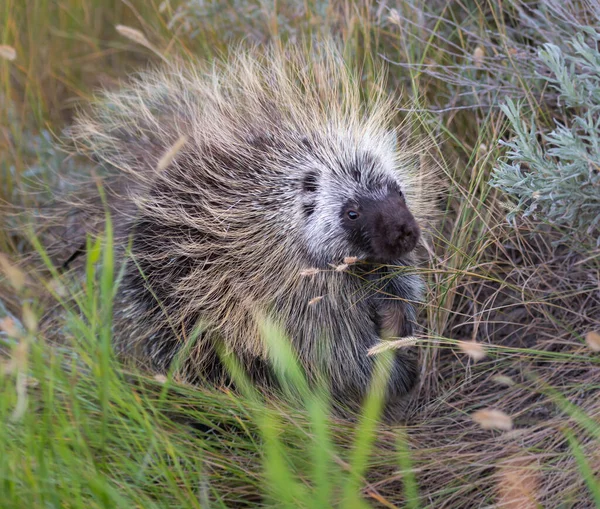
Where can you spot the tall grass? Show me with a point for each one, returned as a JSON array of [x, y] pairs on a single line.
[[80, 429]]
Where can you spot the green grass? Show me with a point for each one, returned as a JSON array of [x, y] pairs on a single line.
[[79, 429]]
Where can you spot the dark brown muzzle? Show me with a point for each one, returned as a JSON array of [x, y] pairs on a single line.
[[394, 231]]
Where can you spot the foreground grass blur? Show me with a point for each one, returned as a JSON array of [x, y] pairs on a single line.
[[507, 311]]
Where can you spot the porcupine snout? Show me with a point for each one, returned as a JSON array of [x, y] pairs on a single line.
[[395, 231]]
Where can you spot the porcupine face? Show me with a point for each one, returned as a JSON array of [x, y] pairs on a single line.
[[356, 207]]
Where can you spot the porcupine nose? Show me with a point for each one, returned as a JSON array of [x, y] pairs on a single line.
[[403, 232], [395, 231]]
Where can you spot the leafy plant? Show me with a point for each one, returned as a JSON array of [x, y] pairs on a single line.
[[555, 176]]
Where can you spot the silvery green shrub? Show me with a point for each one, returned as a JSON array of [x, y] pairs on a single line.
[[554, 175]]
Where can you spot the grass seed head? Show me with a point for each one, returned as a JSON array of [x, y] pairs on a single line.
[[503, 380], [592, 340], [519, 484], [478, 56], [30, 320], [309, 272], [384, 346], [493, 419], [9, 327], [472, 349], [55, 285], [170, 153], [394, 17], [134, 35], [15, 276], [8, 52]]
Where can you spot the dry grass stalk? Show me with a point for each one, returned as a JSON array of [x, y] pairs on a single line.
[[314, 300], [349, 260], [490, 418]]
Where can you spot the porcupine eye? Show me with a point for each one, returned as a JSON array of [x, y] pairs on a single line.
[[352, 215]]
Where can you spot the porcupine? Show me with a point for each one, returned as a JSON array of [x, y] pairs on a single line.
[[240, 186]]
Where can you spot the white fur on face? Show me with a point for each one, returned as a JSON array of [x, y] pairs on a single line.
[[357, 170]]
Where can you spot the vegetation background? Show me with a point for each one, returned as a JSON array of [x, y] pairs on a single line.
[[507, 411]]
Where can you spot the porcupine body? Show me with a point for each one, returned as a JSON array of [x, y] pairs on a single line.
[[230, 182]]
